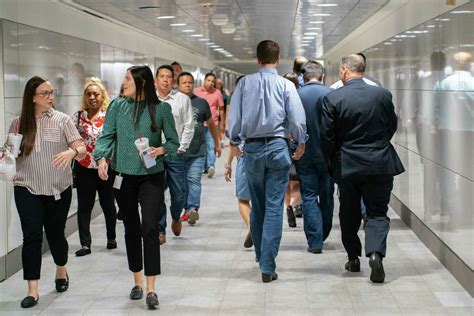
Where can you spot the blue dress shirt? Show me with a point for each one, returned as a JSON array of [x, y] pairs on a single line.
[[265, 104]]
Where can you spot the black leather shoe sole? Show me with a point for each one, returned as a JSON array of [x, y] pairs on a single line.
[[266, 278], [136, 293], [378, 274], [62, 285], [29, 301], [152, 300]]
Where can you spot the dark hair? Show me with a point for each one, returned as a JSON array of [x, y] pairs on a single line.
[[210, 74], [184, 73], [176, 63], [354, 62], [27, 116], [144, 84], [363, 56], [312, 69], [298, 63], [293, 78], [438, 61], [238, 79], [268, 52], [164, 67]]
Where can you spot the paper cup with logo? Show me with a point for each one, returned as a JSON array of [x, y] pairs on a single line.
[[15, 141], [141, 144]]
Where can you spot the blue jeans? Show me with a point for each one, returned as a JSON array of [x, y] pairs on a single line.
[[210, 155], [267, 164], [175, 179], [193, 167], [318, 204]]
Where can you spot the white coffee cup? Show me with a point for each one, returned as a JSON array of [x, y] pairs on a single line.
[[141, 144], [15, 141]]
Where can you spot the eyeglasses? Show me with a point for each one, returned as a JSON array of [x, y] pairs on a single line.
[[47, 94]]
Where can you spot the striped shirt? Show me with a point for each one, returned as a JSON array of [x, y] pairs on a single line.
[[54, 131]]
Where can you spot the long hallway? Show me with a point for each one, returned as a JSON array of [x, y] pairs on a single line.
[[207, 271]]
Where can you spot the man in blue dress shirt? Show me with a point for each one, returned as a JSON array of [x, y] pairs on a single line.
[[265, 108], [317, 187]]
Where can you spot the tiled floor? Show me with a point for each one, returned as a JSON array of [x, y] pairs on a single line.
[[206, 271]]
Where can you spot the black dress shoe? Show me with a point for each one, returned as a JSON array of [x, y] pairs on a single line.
[[315, 250], [62, 284], [375, 262], [353, 265], [136, 293], [29, 301], [111, 244], [248, 241], [266, 278], [291, 216], [84, 251], [152, 300]]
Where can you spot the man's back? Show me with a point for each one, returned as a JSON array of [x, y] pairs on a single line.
[[268, 105], [311, 96], [365, 122]]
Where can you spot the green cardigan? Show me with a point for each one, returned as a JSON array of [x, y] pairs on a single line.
[[119, 134]]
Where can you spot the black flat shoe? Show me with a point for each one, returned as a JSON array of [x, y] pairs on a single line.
[[136, 293], [299, 211], [266, 278], [375, 262], [152, 300], [353, 265], [62, 284], [248, 241], [84, 251], [111, 244], [291, 216], [29, 301], [315, 250]]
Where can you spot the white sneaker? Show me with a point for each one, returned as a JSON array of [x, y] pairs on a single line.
[[211, 172]]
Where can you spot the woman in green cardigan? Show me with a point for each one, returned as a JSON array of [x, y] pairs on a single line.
[[138, 115]]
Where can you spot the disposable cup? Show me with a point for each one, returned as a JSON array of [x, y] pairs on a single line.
[[141, 144], [15, 141]]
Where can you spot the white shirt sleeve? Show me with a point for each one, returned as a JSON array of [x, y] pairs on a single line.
[[188, 122]]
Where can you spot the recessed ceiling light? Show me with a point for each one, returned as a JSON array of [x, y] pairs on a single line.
[[164, 17], [310, 33], [218, 49], [197, 35], [431, 26], [203, 39], [210, 43], [316, 22], [445, 20], [178, 24], [327, 5], [321, 14], [308, 37], [313, 28], [214, 46], [187, 31]]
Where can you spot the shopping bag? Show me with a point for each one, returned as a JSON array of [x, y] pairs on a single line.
[[7, 164]]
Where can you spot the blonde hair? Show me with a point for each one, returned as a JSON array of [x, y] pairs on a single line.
[[98, 83]]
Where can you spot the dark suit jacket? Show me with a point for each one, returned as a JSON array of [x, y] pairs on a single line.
[[358, 121], [311, 96]]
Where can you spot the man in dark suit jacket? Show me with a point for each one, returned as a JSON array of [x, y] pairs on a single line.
[[312, 172], [358, 121]]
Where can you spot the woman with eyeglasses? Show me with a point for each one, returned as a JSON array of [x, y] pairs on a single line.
[[135, 118], [89, 122], [42, 185]]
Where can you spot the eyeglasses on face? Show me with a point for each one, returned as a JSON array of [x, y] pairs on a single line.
[[47, 94]]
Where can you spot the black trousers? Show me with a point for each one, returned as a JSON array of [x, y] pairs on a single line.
[[36, 212], [148, 190], [88, 183], [375, 190]]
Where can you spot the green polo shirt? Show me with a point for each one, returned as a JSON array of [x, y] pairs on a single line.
[[119, 134]]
